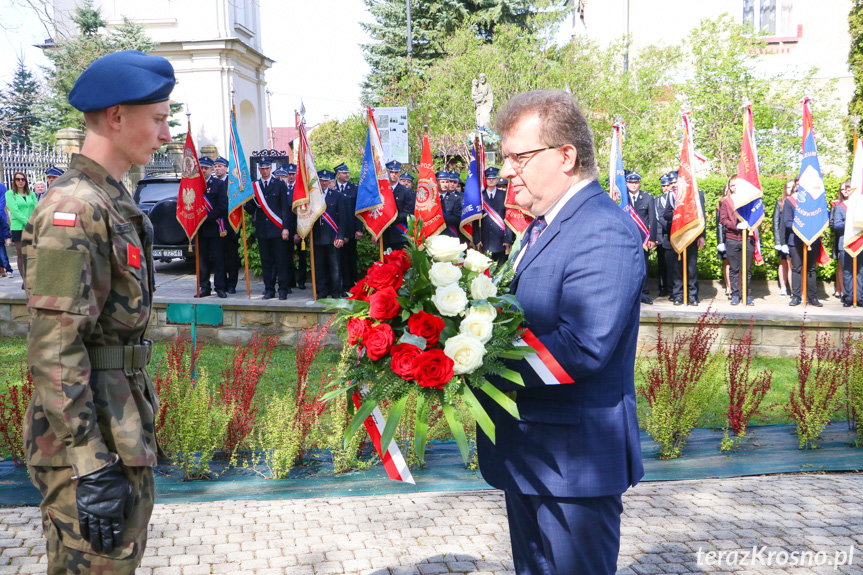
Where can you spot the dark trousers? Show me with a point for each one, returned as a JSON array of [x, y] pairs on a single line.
[[645, 292], [735, 257], [5, 264], [348, 261], [797, 269], [847, 277], [274, 264], [300, 268], [328, 277], [662, 262], [211, 260], [564, 535], [676, 266], [232, 258]]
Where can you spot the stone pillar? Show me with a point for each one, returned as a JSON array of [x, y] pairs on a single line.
[[70, 140], [136, 172], [175, 150], [211, 152]]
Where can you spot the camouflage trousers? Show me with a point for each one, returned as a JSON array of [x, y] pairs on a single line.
[[68, 552]]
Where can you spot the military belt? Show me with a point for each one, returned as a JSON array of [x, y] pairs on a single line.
[[125, 357]]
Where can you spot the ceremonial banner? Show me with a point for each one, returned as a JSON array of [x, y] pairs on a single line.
[[748, 196], [471, 208], [308, 201], [191, 209], [810, 211], [428, 208], [239, 190], [853, 242], [688, 221], [517, 219], [376, 206], [617, 183]]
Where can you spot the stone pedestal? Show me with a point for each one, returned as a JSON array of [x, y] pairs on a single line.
[[70, 140]]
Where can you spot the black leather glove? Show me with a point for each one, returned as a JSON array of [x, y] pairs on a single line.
[[104, 499]]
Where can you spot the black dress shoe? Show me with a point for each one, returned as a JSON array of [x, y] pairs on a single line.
[[677, 301], [302, 286], [794, 301], [232, 290], [283, 295], [693, 302], [664, 293], [204, 292], [846, 304], [646, 300], [269, 295], [221, 293], [814, 302], [750, 300]]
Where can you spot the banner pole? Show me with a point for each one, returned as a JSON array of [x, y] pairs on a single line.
[[685, 276], [246, 258], [804, 276], [854, 279], [381, 246], [743, 265], [197, 270], [312, 257]]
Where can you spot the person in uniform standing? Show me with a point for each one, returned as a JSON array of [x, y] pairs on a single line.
[[211, 234], [664, 257], [52, 174], [394, 236], [329, 234], [493, 235], [451, 202], [274, 225], [644, 205], [407, 180], [691, 252], [348, 253], [232, 238], [796, 247], [300, 269], [89, 431]]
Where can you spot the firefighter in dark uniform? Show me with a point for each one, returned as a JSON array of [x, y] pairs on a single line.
[[232, 238], [211, 234], [348, 252], [407, 180], [644, 206], [394, 236], [663, 242], [272, 236], [300, 268], [451, 201], [489, 236], [691, 252], [329, 234]]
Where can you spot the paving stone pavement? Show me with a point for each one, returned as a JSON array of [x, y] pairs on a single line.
[[664, 526]]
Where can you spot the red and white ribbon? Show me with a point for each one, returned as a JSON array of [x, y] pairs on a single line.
[[394, 463], [542, 362], [493, 215], [331, 222], [262, 202]]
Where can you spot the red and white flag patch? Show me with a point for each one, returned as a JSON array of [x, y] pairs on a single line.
[[134, 256], [65, 219], [542, 362]]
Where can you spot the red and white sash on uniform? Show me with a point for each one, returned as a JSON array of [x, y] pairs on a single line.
[[332, 223], [219, 221], [493, 215], [542, 362], [394, 462], [262, 202]]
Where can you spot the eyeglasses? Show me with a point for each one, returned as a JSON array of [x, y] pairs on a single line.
[[20, 179], [520, 160]]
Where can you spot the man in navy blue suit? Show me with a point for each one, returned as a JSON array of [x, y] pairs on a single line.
[[566, 462]]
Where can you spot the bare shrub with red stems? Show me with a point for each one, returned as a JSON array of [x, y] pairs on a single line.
[[745, 392], [13, 406]]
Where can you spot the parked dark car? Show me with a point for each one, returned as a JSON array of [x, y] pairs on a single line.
[[156, 195]]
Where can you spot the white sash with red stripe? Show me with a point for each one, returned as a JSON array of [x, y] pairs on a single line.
[[638, 222], [220, 221], [542, 362], [262, 203], [394, 463], [329, 219], [493, 215]]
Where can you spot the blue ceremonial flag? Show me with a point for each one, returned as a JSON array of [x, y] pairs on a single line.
[[471, 207], [376, 205], [810, 209], [240, 189], [368, 193], [617, 184], [748, 198]]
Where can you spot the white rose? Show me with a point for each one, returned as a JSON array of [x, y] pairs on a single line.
[[477, 325], [476, 262], [444, 248], [466, 351], [444, 273], [450, 300], [482, 288], [484, 309]]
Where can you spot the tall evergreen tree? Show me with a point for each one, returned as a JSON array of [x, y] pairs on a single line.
[[17, 104]]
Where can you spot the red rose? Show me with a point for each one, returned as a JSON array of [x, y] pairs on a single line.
[[378, 340], [404, 356], [360, 291], [433, 368], [384, 304], [426, 325], [357, 328], [381, 276], [399, 258]]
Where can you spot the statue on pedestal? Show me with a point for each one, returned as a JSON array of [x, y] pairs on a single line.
[[483, 101]]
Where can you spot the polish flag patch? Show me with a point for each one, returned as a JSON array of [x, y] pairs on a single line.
[[65, 219], [134, 256]]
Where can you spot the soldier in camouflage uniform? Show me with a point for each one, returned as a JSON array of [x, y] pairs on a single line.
[[89, 430]]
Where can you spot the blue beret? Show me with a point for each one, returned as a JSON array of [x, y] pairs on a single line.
[[342, 168], [220, 160], [491, 172], [127, 77], [633, 177], [665, 179], [292, 168], [280, 172], [54, 171], [205, 162], [406, 176], [265, 163], [394, 166], [325, 175]]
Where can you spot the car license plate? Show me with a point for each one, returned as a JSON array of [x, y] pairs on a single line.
[[167, 253]]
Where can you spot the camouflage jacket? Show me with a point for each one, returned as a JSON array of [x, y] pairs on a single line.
[[89, 284]]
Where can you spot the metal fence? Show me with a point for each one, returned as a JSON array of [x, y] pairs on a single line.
[[34, 160]]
